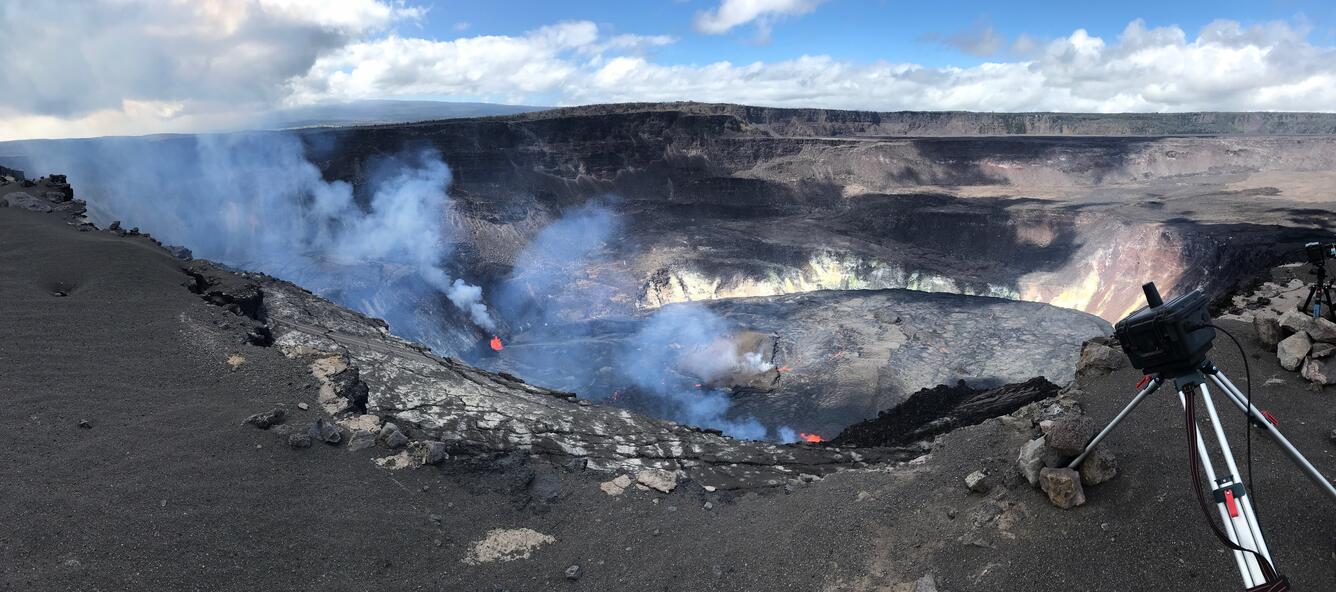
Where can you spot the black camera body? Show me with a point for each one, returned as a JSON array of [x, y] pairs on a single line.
[[1167, 338], [1319, 252]]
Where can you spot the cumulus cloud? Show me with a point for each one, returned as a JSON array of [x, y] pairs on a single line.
[[1225, 67], [734, 13], [101, 62], [337, 57], [979, 40]]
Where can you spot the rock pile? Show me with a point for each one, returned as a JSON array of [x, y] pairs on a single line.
[[1061, 432], [1303, 343]]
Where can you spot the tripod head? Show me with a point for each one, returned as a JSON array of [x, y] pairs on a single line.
[[1170, 338], [1318, 253]]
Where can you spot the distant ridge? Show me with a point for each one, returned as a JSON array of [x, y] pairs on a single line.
[[375, 112], [838, 123]]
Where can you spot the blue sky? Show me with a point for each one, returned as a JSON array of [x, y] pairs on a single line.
[[94, 67], [863, 30]]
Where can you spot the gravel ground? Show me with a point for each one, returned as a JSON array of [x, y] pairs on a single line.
[[167, 490]]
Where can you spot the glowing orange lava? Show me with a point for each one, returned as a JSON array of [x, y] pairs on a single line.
[[783, 369], [810, 437], [496, 344]]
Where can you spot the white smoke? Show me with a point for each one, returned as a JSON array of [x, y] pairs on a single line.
[[469, 298], [254, 201]]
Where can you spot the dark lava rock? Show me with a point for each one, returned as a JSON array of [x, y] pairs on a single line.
[[228, 290], [326, 432], [428, 452], [391, 437], [180, 252], [574, 572], [545, 487], [88, 425], [940, 409], [267, 419], [299, 440], [1070, 435]]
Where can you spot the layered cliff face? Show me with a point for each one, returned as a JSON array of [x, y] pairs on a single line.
[[583, 231], [725, 201]]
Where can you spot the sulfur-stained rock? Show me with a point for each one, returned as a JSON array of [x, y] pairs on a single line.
[[1292, 350], [1063, 487]]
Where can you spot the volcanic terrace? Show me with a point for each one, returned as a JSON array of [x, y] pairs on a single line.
[[675, 346]]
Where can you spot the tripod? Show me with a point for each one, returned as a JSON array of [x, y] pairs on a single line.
[[1320, 292], [1240, 526]]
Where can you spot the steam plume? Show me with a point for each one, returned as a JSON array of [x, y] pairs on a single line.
[[254, 201]]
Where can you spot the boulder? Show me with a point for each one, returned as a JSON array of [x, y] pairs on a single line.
[[391, 437], [1294, 322], [1069, 435], [1098, 467], [1098, 358], [1292, 350], [1322, 330], [927, 583], [975, 482], [1321, 350], [616, 486], [574, 572], [267, 419], [299, 440], [1063, 487], [327, 432], [1268, 329], [427, 452], [1035, 456], [1321, 372], [659, 479]]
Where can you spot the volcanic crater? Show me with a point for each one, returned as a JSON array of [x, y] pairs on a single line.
[[771, 274]]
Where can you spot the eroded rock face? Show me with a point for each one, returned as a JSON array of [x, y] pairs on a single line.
[[476, 412]]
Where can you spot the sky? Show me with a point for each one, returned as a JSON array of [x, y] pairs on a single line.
[[97, 67]]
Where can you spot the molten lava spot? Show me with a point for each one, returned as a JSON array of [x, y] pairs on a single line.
[[813, 438], [496, 344]]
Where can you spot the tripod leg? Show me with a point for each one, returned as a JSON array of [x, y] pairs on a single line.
[[1247, 567], [1245, 500], [1297, 457], [1141, 396]]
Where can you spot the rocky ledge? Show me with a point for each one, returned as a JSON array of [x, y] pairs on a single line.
[[371, 378]]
